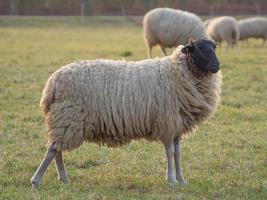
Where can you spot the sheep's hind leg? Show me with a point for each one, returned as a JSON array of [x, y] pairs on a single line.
[[49, 156], [61, 171], [163, 50], [169, 147], [178, 163]]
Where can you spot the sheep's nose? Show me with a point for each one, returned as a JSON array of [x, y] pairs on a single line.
[[215, 68]]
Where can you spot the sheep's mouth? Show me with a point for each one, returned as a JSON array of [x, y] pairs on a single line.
[[208, 68], [213, 68]]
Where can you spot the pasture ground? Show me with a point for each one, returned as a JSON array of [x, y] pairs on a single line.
[[225, 159]]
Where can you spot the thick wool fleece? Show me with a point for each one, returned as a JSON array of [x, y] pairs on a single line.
[[112, 102]]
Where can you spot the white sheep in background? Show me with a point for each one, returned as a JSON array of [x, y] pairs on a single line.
[[224, 28], [113, 102], [254, 27], [207, 22], [169, 28]]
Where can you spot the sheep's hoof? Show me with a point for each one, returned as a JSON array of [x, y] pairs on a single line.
[[182, 181], [35, 184], [64, 179], [172, 181]]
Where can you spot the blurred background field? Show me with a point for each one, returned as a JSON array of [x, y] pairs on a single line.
[[130, 7], [225, 159]]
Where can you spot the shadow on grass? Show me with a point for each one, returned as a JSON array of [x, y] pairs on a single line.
[[86, 164]]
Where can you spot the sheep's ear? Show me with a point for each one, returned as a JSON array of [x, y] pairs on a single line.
[[187, 48]]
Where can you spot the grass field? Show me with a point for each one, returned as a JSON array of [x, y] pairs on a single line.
[[225, 159]]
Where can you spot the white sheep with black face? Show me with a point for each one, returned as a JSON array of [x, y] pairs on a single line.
[[113, 102], [170, 27]]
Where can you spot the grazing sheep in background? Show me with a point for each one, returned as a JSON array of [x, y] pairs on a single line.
[[113, 102], [254, 27], [170, 28], [207, 22], [224, 28]]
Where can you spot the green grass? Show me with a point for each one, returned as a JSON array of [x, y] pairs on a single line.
[[225, 159]]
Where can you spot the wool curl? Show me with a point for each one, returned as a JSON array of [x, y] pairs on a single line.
[[113, 102]]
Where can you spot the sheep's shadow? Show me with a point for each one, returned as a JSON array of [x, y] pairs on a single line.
[[86, 164]]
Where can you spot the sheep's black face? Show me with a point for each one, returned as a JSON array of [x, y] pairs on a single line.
[[203, 54]]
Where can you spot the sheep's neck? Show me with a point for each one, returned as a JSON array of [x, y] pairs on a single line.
[[196, 71]]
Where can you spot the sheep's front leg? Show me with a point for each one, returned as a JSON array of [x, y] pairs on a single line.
[[49, 156], [149, 51], [61, 171], [169, 147], [178, 163]]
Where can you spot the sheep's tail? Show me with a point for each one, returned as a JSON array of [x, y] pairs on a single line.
[[48, 95]]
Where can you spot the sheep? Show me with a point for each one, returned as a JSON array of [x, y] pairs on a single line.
[[113, 102], [207, 22], [254, 27], [170, 28], [224, 28]]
